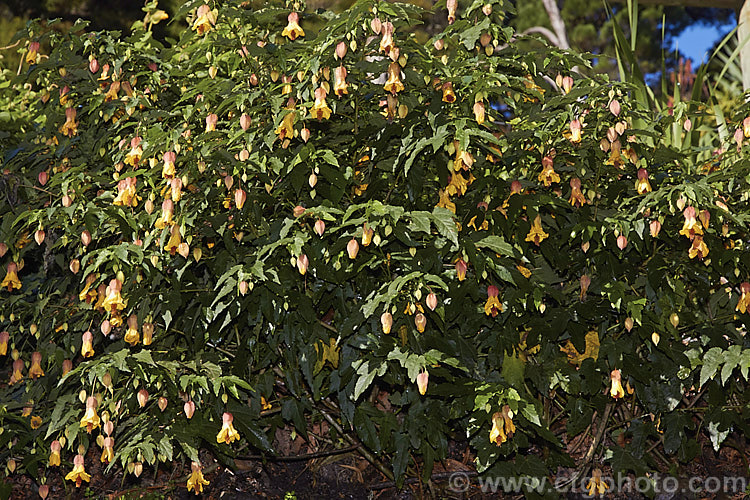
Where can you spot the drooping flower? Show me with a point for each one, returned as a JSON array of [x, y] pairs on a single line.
[[175, 189], [536, 233], [386, 322], [448, 94], [211, 121], [167, 209], [575, 131], [548, 175], [302, 264], [457, 185], [339, 81], [367, 234], [293, 30], [36, 365], [108, 450], [90, 419], [394, 84], [445, 201], [451, 6], [87, 348], [595, 485], [4, 338], [461, 268], [479, 113], [286, 129], [654, 228], [87, 295], [148, 333], [70, 127], [227, 434], [168, 171], [320, 109], [131, 335], [11, 280], [576, 196], [54, 455], [126, 192], [114, 301], [17, 373], [742, 305], [420, 321], [196, 482], [111, 94], [78, 474], [698, 248], [585, 283], [386, 43], [502, 426], [422, 380], [136, 151], [463, 160], [493, 305], [205, 19], [174, 241], [616, 391], [692, 226], [642, 185], [32, 53]]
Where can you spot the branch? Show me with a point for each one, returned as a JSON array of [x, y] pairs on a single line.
[[557, 23], [543, 31]]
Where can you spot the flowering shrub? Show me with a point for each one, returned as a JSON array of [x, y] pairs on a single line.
[[325, 214]]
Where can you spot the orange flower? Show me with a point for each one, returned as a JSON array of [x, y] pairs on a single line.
[[616, 391], [576, 196], [11, 277], [445, 201], [493, 305], [692, 226], [320, 109], [742, 305], [548, 175], [536, 233], [196, 481], [339, 78], [90, 419], [17, 374], [293, 29], [642, 185], [78, 474], [227, 434], [36, 366], [394, 84], [70, 127], [457, 185]]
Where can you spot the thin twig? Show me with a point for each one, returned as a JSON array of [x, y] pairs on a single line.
[[296, 458]]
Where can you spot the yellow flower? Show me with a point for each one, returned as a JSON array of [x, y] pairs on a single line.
[[742, 305], [36, 366], [293, 29], [526, 273], [484, 227], [36, 422], [134, 155], [463, 160], [286, 128], [196, 481], [205, 19], [575, 131], [114, 301], [54, 456], [131, 335], [394, 84], [17, 374], [448, 94], [70, 127], [445, 201], [227, 434], [32, 53], [616, 391], [698, 248], [108, 451], [90, 419], [386, 43], [548, 175], [167, 209], [4, 338], [11, 277], [493, 305], [265, 405], [126, 192], [168, 170], [502, 426], [642, 185], [461, 268], [595, 485], [174, 241], [536, 233], [320, 109], [576, 196], [457, 185], [692, 226], [88, 295], [78, 474], [87, 348]]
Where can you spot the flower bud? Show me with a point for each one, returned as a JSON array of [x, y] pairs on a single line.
[[142, 397], [189, 409], [422, 381], [431, 301], [386, 321], [352, 248]]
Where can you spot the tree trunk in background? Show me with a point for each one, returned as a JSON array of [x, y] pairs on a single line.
[[553, 11], [743, 35]]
